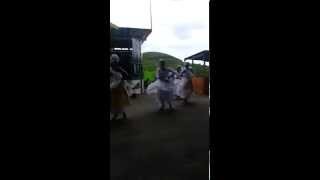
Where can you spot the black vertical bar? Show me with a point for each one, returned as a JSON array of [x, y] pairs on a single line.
[[212, 79]]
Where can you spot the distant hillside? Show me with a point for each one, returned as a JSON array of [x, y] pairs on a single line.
[[151, 61]]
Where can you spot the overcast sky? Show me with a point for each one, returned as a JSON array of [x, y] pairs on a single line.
[[179, 28]]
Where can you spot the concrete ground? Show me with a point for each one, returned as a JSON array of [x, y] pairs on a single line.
[[151, 145]]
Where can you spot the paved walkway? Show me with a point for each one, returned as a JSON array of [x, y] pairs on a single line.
[[151, 145]]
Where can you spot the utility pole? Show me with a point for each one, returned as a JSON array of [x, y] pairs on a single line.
[[150, 15]]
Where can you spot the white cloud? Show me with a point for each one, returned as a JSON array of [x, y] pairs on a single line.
[[180, 27]]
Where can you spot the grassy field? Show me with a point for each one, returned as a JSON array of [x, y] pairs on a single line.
[[151, 60]]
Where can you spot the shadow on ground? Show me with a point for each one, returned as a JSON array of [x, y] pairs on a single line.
[[151, 145]]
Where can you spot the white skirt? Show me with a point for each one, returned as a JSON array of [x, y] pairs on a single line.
[[177, 85], [154, 87], [181, 91]]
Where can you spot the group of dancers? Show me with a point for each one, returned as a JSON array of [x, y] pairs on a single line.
[[169, 85], [172, 84]]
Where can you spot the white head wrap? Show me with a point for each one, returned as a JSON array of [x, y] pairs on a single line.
[[114, 58]]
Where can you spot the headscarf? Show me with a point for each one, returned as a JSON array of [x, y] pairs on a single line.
[[114, 58]]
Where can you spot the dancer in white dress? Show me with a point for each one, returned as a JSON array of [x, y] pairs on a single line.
[[119, 95], [177, 82], [185, 88], [163, 86]]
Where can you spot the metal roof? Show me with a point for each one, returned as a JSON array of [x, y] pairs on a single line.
[[123, 32], [113, 26], [202, 56]]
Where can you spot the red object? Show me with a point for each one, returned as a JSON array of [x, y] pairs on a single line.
[[200, 85]]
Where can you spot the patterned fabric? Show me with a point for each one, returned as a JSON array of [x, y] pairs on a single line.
[[119, 95], [163, 74], [119, 99], [166, 85], [186, 73], [166, 95]]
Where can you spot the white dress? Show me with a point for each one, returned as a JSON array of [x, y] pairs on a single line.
[[186, 77], [159, 85], [177, 84], [162, 90], [115, 80]]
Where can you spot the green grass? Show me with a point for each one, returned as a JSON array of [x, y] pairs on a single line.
[[149, 75], [151, 60]]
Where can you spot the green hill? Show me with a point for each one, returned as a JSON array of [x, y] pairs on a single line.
[[151, 61]]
